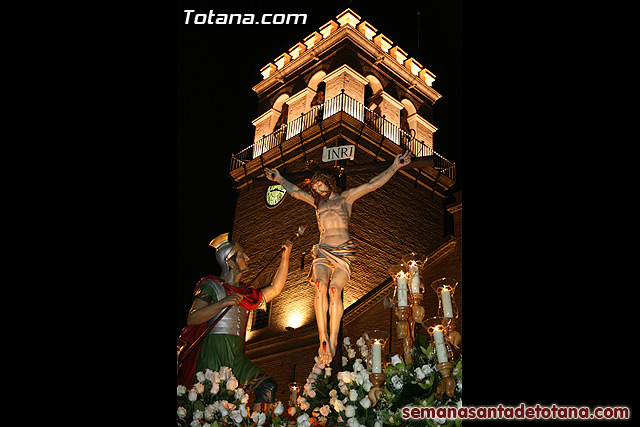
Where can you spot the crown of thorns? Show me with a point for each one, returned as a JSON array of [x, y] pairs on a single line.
[[326, 178]]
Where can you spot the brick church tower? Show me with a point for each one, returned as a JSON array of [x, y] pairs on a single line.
[[345, 85]]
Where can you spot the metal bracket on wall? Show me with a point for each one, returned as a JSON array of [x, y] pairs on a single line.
[[284, 166], [246, 180], [304, 153], [324, 141], [360, 134], [375, 159], [435, 183]]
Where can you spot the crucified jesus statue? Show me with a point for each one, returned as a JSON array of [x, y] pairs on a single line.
[[334, 254]]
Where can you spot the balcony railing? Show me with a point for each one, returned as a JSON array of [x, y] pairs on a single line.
[[343, 102]]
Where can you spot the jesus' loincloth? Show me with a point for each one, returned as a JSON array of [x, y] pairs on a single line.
[[340, 256]]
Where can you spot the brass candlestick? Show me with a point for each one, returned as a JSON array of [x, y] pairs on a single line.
[[438, 329], [376, 392], [376, 343], [404, 332], [447, 308], [417, 309], [447, 384]]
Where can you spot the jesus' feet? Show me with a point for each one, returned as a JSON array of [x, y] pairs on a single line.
[[324, 352]]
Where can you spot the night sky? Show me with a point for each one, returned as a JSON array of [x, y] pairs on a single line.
[[219, 64]]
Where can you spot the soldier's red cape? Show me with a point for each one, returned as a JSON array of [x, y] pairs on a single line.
[[252, 299]]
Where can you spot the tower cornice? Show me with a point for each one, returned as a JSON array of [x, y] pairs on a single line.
[[383, 59]]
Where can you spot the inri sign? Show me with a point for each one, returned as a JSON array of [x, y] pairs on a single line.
[[338, 153]]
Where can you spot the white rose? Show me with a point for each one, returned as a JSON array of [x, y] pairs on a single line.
[[395, 359], [182, 412], [236, 416], [351, 353], [378, 424], [359, 378], [303, 420], [195, 423], [197, 415], [361, 342], [305, 405], [347, 341], [215, 388], [259, 418], [200, 376], [243, 410], [199, 387], [279, 409], [353, 422], [353, 395], [338, 406], [238, 393], [365, 403], [346, 377], [419, 374], [333, 392], [208, 374], [364, 351], [225, 373], [366, 385], [350, 411], [193, 395], [357, 366], [223, 408], [327, 372], [397, 382], [181, 390], [232, 383], [209, 411], [311, 393], [324, 411], [216, 377], [344, 361], [439, 421], [426, 369], [343, 388]]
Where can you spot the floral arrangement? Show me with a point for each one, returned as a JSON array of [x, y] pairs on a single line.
[[347, 403], [215, 400]]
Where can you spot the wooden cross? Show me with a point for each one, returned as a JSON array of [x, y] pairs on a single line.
[[416, 162]]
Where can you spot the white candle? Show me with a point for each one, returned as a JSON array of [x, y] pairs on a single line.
[[376, 364], [402, 291], [441, 351], [415, 281], [446, 303]]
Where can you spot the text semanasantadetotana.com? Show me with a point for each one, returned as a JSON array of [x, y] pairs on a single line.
[[518, 412]]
